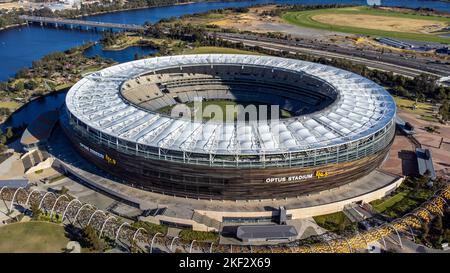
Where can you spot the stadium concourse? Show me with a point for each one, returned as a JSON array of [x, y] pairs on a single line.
[[82, 214], [341, 126]]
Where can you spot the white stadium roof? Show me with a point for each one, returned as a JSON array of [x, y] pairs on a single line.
[[361, 109]]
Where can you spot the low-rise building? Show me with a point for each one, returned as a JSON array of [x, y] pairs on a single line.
[[425, 163], [38, 132], [264, 233]]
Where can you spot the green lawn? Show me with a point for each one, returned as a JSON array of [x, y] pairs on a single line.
[[63, 86], [217, 50], [32, 237], [406, 198], [333, 222], [201, 236], [90, 70], [57, 178], [382, 205], [9, 104], [423, 109], [304, 19]]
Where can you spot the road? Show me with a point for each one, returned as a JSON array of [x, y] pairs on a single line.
[[405, 67]]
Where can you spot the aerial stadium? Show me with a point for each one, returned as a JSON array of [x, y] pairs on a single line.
[[339, 128]]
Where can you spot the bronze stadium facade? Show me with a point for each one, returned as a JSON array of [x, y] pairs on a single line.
[[341, 128]]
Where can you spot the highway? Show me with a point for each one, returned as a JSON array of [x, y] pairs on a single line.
[[409, 68]]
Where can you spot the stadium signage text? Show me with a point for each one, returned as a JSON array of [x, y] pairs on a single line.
[[92, 151], [100, 155], [292, 178]]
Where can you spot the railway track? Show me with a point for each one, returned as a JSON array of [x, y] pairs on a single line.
[[373, 64]]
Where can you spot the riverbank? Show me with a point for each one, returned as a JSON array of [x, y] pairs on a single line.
[[129, 41], [137, 8], [116, 11], [12, 26], [53, 73]]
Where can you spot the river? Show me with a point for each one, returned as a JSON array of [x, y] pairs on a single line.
[[20, 46]]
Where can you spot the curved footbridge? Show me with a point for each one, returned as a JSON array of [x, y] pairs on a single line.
[[74, 211]]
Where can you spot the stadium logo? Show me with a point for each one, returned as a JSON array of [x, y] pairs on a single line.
[[110, 160], [320, 174]]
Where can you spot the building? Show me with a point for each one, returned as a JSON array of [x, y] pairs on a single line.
[[266, 233], [341, 127], [13, 183], [39, 131], [395, 43], [443, 50], [425, 162]]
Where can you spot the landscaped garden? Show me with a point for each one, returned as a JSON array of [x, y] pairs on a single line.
[[408, 196], [334, 222]]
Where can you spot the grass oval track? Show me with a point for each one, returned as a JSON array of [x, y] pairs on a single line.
[[305, 19]]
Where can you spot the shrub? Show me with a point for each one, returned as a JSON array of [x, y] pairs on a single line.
[[201, 236], [150, 227]]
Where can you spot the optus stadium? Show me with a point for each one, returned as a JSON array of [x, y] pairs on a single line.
[[340, 127]]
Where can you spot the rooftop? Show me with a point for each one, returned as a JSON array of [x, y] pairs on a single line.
[[361, 109], [40, 129], [425, 162], [265, 232]]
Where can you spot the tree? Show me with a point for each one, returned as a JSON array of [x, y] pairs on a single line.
[[3, 138], [444, 110], [36, 211], [91, 237], [3, 86], [437, 224], [9, 133], [423, 180], [31, 85], [425, 231], [22, 73], [20, 86], [63, 190]]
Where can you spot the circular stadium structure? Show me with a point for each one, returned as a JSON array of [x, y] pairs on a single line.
[[340, 128]]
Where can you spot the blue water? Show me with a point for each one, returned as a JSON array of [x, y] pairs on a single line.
[[20, 46], [33, 109], [120, 55]]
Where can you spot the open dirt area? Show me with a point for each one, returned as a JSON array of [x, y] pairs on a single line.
[[250, 19], [402, 158], [254, 21], [11, 5], [386, 23]]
